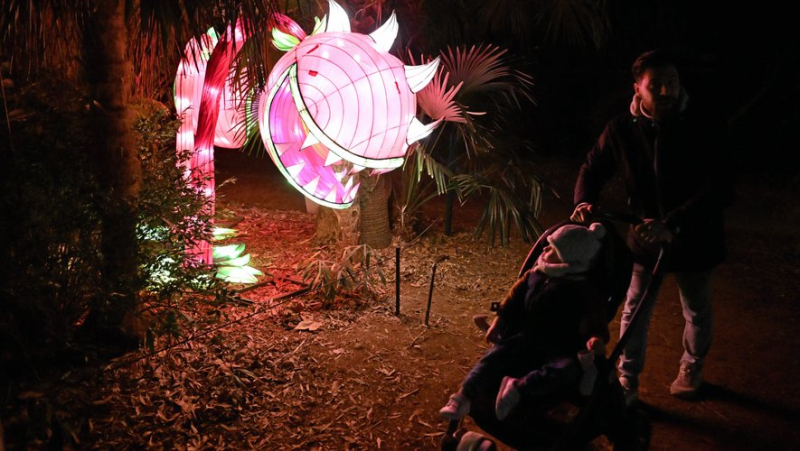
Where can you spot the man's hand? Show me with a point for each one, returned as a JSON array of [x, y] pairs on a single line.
[[582, 213], [653, 231], [596, 345], [493, 335]]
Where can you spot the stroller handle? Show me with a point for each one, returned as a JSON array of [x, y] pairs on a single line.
[[616, 216]]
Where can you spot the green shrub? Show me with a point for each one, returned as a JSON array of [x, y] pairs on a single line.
[[51, 218], [50, 222], [173, 216]]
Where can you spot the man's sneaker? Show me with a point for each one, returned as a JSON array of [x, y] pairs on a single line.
[[629, 391], [688, 382], [456, 408]]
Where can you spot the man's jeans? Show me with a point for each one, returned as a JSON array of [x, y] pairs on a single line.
[[695, 293]]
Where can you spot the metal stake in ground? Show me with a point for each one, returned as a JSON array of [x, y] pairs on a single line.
[[397, 280], [430, 292]]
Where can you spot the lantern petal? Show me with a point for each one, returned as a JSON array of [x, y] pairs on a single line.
[[331, 197], [417, 130], [385, 35], [288, 26], [332, 158], [319, 25], [351, 193], [419, 76], [311, 187], [309, 141], [337, 18], [283, 41], [294, 170], [283, 147]]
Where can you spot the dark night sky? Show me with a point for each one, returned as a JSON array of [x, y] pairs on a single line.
[[740, 61]]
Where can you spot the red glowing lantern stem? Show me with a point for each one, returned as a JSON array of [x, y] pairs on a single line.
[[202, 162]]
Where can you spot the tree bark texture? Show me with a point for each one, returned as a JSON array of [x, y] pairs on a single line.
[[110, 75], [373, 224]]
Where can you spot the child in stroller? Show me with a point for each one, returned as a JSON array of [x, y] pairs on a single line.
[[549, 328]]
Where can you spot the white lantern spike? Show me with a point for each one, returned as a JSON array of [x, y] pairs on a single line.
[[332, 158], [331, 197], [339, 174], [337, 18], [419, 76], [309, 141], [385, 35], [311, 187], [417, 130], [351, 193], [294, 170], [282, 148]]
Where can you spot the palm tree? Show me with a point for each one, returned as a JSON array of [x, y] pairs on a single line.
[[473, 94], [469, 156]]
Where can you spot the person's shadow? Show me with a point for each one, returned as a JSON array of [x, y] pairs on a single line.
[[713, 392], [725, 434]]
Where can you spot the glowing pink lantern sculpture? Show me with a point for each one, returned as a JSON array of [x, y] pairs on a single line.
[[212, 113], [337, 103]]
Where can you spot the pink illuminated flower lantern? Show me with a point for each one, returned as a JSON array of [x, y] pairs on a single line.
[[337, 103], [212, 113], [189, 85]]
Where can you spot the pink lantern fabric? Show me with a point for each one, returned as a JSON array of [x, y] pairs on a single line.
[[188, 91], [211, 111], [337, 103]]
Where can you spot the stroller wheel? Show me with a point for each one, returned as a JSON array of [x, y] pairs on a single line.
[[473, 441]]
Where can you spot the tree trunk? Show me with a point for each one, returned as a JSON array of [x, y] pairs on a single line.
[[365, 222], [451, 194], [110, 75], [327, 227], [374, 221]]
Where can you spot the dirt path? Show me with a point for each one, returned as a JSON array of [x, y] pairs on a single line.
[[749, 401]]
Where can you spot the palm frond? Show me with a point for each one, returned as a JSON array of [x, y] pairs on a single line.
[[436, 99], [163, 27], [474, 67], [500, 17], [574, 22], [489, 81], [42, 35], [418, 190], [424, 162], [503, 207]]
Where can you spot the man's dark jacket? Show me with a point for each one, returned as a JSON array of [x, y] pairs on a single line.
[[674, 170]]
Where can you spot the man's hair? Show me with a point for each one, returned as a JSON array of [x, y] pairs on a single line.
[[651, 59]]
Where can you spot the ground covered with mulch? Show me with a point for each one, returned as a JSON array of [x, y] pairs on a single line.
[[302, 373], [290, 373]]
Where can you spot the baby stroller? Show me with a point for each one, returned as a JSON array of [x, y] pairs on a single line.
[[566, 419]]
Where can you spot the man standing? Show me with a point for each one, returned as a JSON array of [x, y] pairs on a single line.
[[670, 157]]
